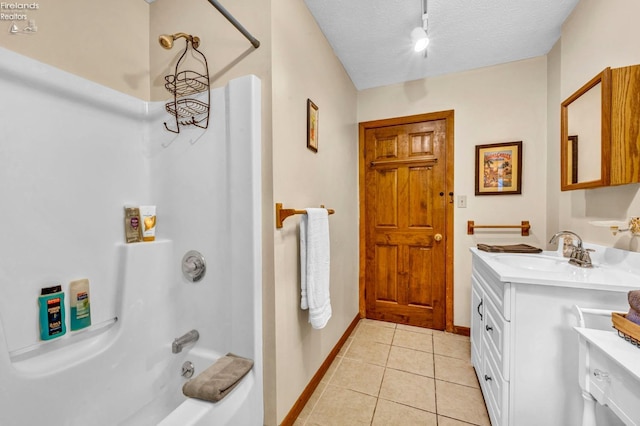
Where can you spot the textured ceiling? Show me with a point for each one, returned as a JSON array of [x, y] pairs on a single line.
[[372, 37]]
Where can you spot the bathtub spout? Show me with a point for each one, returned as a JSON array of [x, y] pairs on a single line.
[[189, 337]]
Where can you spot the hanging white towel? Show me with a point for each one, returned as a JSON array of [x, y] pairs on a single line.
[[314, 266]]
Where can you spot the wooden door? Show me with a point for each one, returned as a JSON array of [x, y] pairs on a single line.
[[405, 205]]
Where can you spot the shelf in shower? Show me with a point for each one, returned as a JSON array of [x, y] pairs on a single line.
[[22, 355], [184, 108], [186, 83]]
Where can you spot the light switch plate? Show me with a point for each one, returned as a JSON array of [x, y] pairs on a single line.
[[462, 201]]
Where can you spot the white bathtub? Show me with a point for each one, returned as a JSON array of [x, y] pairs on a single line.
[[206, 185], [231, 410]]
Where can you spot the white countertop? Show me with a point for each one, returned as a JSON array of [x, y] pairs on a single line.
[[613, 270], [621, 351]]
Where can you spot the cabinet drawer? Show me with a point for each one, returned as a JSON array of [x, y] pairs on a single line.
[[493, 288], [496, 333], [611, 385], [496, 391]]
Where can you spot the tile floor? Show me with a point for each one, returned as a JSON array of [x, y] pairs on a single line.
[[388, 374]]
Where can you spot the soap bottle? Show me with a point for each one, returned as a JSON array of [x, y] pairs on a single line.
[[52, 323], [567, 246], [80, 306]]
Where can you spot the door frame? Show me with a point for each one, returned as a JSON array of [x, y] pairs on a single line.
[[448, 116]]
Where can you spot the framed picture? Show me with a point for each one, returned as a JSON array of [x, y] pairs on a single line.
[[499, 168], [312, 126]]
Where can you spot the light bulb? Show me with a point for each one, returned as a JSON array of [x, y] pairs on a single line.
[[419, 39]]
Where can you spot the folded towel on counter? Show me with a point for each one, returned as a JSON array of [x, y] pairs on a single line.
[[633, 316], [634, 299], [314, 266], [513, 248], [217, 381]]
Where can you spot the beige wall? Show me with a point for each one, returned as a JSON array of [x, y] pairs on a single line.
[[304, 66], [553, 138], [106, 41], [502, 103], [596, 35]]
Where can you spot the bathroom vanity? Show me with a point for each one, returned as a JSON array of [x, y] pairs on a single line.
[[523, 345]]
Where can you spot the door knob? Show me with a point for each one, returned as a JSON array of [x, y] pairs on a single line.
[[437, 237]]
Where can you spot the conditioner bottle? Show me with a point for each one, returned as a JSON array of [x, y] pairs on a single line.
[[80, 306]]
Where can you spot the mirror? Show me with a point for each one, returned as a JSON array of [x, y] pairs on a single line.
[[585, 135]]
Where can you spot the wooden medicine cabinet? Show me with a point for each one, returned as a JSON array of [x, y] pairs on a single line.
[[600, 131]]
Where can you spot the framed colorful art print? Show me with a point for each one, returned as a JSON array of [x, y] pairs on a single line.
[[312, 126], [499, 168]]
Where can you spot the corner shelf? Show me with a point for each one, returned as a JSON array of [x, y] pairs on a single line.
[[23, 356]]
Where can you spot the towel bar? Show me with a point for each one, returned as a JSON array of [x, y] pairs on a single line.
[[282, 214], [524, 227]]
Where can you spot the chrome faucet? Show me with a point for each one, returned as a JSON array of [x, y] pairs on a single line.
[[579, 255], [559, 234], [189, 337]]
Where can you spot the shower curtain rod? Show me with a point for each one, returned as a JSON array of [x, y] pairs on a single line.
[[254, 41]]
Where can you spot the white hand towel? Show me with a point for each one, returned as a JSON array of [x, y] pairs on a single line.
[[314, 266]]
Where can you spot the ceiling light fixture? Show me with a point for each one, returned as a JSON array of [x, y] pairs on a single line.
[[419, 36]]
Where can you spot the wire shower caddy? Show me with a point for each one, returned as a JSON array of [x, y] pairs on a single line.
[[184, 84]]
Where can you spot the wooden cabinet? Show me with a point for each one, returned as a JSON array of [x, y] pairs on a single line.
[[600, 131], [523, 346], [625, 125]]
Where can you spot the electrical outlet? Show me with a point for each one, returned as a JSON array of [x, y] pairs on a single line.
[[462, 201]]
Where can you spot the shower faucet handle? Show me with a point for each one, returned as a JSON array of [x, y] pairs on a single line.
[[194, 266]]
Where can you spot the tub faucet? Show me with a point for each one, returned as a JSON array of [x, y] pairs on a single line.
[[189, 337], [579, 255]]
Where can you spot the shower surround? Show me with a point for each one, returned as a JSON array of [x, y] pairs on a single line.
[[72, 154]]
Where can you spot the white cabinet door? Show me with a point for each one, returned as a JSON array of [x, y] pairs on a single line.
[[495, 390], [496, 335], [477, 316]]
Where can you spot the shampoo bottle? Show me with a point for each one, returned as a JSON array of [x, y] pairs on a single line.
[[148, 216], [80, 306], [132, 229], [52, 322]]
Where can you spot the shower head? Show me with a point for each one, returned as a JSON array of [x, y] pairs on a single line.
[[166, 40]]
